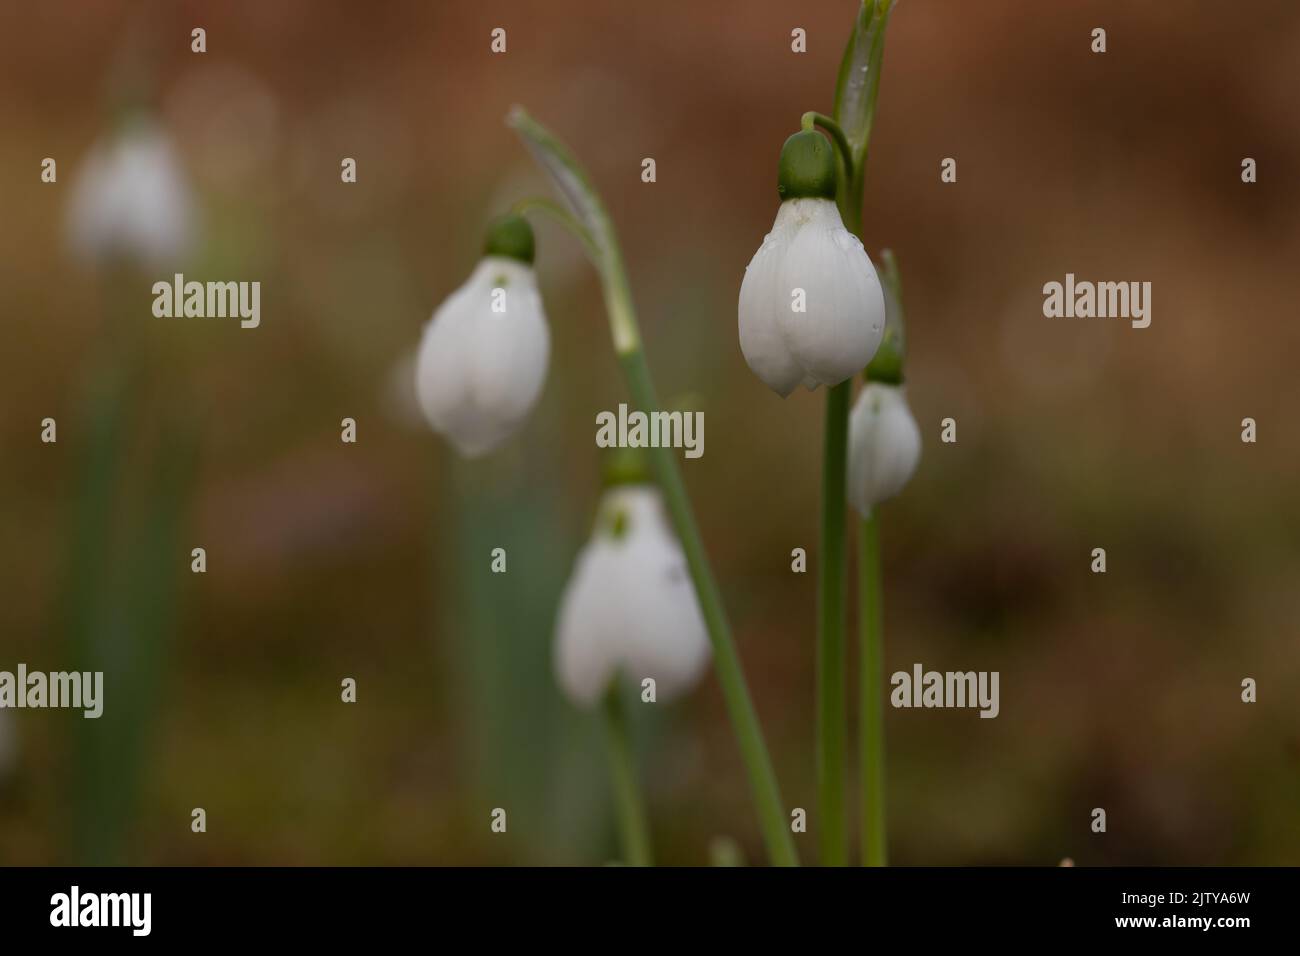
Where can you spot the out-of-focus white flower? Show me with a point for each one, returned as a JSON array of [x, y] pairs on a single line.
[[482, 360], [630, 605], [884, 446], [131, 200], [811, 307]]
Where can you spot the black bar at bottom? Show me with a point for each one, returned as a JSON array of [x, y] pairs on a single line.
[[603, 906]]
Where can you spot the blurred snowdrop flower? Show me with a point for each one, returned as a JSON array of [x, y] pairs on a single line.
[[884, 446], [630, 606], [131, 200], [811, 306], [482, 360]]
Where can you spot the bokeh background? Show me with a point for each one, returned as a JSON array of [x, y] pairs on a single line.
[[370, 561]]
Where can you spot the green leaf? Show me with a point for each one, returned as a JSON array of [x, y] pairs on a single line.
[[575, 188], [859, 80], [570, 180]]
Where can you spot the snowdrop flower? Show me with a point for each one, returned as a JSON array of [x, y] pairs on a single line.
[[630, 606], [483, 357], [131, 200], [811, 307], [884, 446]]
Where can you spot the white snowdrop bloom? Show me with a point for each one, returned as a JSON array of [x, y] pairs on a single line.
[[482, 361], [629, 605], [131, 200], [884, 446], [811, 307]]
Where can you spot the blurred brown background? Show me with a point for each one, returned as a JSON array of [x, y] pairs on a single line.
[[328, 560]]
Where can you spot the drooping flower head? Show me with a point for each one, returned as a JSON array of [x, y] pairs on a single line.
[[884, 440], [483, 357], [131, 200], [811, 306], [629, 606], [884, 446]]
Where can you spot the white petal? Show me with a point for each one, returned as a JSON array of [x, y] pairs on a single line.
[[665, 635], [587, 623], [480, 372], [630, 605], [130, 198], [843, 324], [442, 365], [513, 347], [761, 301], [884, 446]]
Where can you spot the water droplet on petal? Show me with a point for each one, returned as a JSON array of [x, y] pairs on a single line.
[[845, 240]]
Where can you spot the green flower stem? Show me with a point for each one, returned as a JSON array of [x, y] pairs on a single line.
[[856, 92], [592, 226], [726, 662], [871, 694], [633, 824], [832, 700]]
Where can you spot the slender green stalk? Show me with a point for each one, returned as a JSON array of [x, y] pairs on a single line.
[[871, 695], [125, 564], [813, 118], [593, 227], [856, 92], [633, 824], [96, 827], [726, 662], [832, 700]]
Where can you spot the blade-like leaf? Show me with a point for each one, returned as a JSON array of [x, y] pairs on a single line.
[[570, 179], [575, 188], [855, 91]]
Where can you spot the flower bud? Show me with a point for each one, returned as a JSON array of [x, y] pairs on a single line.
[[483, 356], [884, 446]]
